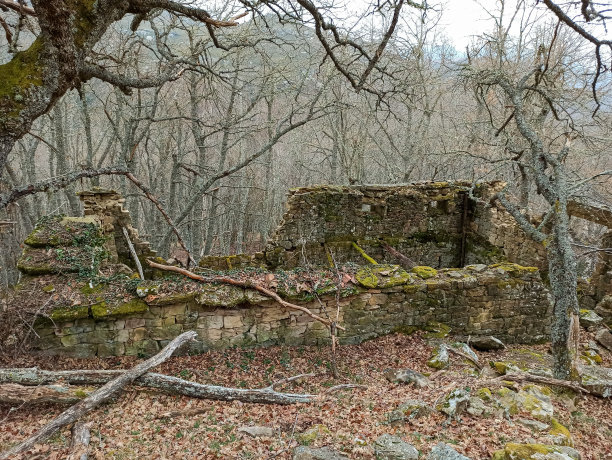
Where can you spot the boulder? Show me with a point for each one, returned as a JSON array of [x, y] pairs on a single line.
[[532, 399], [406, 376], [440, 358], [455, 403], [312, 433], [513, 451], [388, 447], [443, 451], [323, 453], [465, 349], [589, 319], [487, 343], [604, 338], [598, 380]]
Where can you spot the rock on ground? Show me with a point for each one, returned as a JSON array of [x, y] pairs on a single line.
[[406, 376], [323, 453], [487, 343], [514, 451], [604, 338], [440, 358], [388, 447], [257, 431], [604, 308], [597, 380], [443, 451], [589, 319]]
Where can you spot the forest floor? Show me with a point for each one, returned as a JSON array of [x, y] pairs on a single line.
[[134, 426]]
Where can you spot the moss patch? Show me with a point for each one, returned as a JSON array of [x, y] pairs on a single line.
[[424, 272], [66, 314], [103, 310]]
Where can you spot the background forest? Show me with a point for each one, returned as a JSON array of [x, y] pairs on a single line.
[[235, 128]]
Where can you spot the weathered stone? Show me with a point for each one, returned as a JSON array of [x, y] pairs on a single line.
[[604, 338], [440, 358], [313, 433], [442, 451], [604, 308], [532, 399], [257, 431], [514, 451], [589, 319], [598, 380], [486, 343], [455, 403], [533, 424], [406, 376], [388, 447], [323, 453], [409, 410]]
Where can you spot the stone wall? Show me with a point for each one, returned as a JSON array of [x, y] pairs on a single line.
[[505, 300]]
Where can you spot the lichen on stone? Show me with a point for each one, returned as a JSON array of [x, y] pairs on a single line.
[[131, 307], [424, 272]]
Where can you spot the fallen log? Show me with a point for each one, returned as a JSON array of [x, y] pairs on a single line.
[[86, 405], [13, 393], [405, 261], [244, 284], [161, 382], [79, 445]]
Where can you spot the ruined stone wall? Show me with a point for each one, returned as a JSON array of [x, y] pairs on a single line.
[[507, 301]]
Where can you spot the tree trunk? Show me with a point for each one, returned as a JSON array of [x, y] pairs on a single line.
[[15, 394], [79, 445]]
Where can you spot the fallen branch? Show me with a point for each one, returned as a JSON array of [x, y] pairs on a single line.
[[86, 405], [165, 383], [183, 413], [79, 445], [363, 253], [466, 356], [133, 253], [525, 377], [13, 393], [406, 261], [244, 284]]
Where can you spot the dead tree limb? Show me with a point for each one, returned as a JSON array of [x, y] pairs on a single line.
[[525, 377], [81, 408], [164, 383], [244, 284], [133, 253], [466, 356], [14, 393], [79, 445], [405, 261]]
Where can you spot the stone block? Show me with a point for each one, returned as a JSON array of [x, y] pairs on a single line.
[[232, 321]]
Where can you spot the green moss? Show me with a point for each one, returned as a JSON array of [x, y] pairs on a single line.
[[88, 289], [363, 254], [484, 394], [131, 307], [424, 272], [21, 73], [49, 288], [560, 431], [436, 330], [591, 357], [382, 276], [67, 314], [513, 451], [514, 269], [80, 393]]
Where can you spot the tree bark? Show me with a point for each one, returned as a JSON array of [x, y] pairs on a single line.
[[15, 394], [99, 396], [165, 383], [79, 444]]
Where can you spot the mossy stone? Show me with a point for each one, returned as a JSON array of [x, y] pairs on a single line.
[[513, 451], [424, 272], [66, 314], [562, 435], [131, 307]]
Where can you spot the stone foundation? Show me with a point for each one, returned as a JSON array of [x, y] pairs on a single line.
[[508, 301]]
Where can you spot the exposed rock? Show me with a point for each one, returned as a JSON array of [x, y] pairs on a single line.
[[323, 453], [455, 403], [313, 433], [257, 431], [440, 358], [406, 376], [409, 410], [532, 399], [514, 451], [465, 349], [487, 343], [591, 357], [388, 447], [443, 451], [589, 319], [598, 380], [477, 407], [604, 308], [533, 424], [559, 435], [604, 338]]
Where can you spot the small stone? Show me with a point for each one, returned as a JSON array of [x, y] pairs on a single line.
[[478, 268], [598, 380], [604, 308], [604, 338], [388, 447], [257, 431], [313, 433], [455, 403], [440, 358], [409, 410], [465, 349], [442, 451], [487, 343], [406, 376], [323, 453], [589, 319]]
